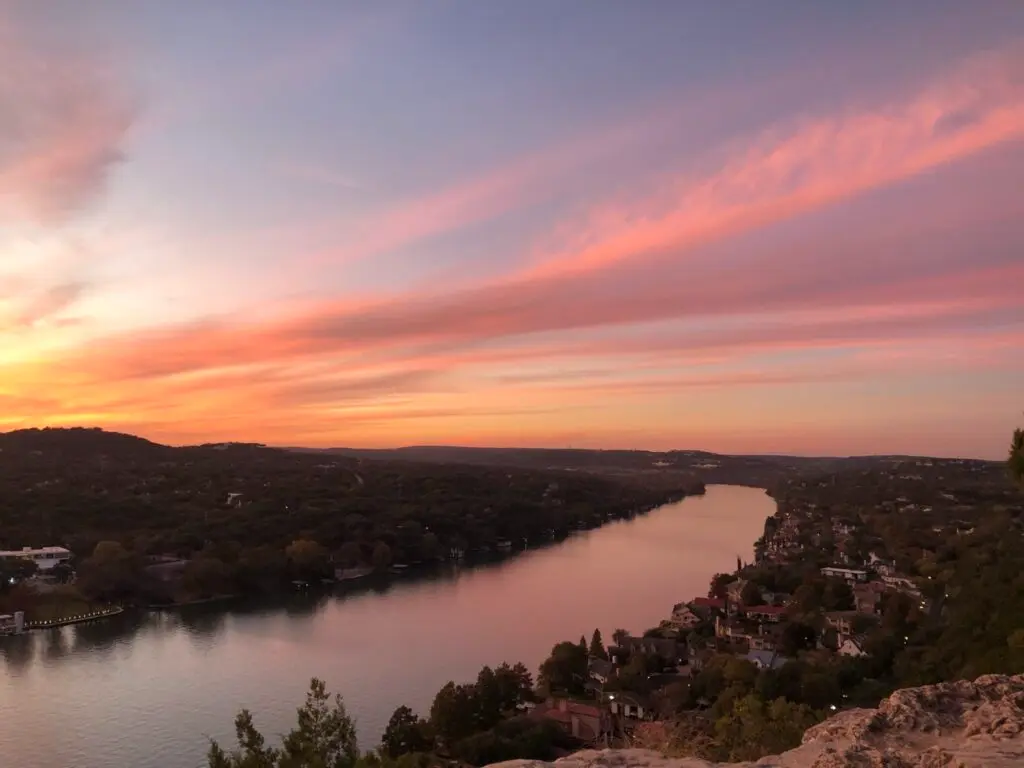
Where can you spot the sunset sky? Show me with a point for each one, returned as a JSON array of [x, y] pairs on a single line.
[[734, 226]]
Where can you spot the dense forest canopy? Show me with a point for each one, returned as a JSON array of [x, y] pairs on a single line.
[[248, 518], [80, 487]]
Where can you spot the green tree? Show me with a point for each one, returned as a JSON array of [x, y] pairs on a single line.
[[1015, 462], [381, 556], [252, 751], [110, 573], [307, 558], [796, 637], [488, 699], [753, 728], [13, 570], [838, 596], [515, 686], [62, 572], [597, 649], [261, 569], [1016, 640], [350, 554], [739, 671], [565, 670], [324, 737], [430, 546], [405, 733], [453, 715], [809, 596], [819, 687], [751, 594], [206, 576], [719, 583], [634, 675]]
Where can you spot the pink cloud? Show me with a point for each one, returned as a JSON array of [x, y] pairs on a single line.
[[63, 129], [355, 339], [788, 171]]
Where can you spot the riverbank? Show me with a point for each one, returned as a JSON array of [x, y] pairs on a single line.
[[192, 603], [238, 579]]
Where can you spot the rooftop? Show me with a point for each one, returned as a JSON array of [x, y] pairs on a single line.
[[30, 551]]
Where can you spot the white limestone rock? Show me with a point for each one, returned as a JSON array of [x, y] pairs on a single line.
[[961, 724]]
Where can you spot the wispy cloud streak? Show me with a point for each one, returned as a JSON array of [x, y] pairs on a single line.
[[785, 172]]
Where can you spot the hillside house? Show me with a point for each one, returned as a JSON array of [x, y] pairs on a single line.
[[842, 621], [671, 652], [756, 638], [734, 591], [868, 597], [851, 575], [684, 617], [630, 705], [587, 722], [766, 659], [45, 558], [901, 584], [769, 613], [762, 643], [707, 604], [601, 670], [853, 647]]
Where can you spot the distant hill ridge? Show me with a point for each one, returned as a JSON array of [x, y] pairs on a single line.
[[86, 442], [75, 440]]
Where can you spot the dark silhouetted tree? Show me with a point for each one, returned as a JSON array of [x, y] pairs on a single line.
[[719, 583], [597, 649], [565, 670], [405, 733], [381, 555], [324, 737], [1015, 462], [751, 594], [453, 715]]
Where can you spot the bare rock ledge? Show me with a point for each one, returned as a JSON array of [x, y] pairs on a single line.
[[961, 724]]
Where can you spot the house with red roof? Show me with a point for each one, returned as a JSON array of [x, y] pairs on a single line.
[[587, 722], [706, 605]]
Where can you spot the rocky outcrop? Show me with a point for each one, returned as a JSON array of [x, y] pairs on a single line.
[[962, 724]]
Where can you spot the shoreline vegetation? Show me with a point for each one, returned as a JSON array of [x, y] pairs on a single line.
[[155, 525]]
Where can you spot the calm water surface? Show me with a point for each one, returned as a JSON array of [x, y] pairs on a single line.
[[142, 692]]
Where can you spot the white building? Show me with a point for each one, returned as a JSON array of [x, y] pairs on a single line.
[[45, 558], [12, 623], [849, 574], [852, 646], [683, 617]]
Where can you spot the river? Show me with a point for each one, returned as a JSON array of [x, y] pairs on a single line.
[[143, 691]]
